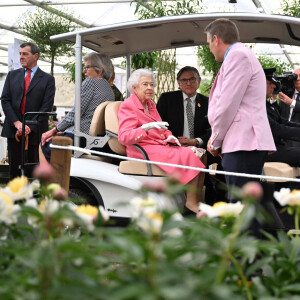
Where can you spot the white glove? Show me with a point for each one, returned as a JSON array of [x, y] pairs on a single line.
[[172, 139], [157, 125]]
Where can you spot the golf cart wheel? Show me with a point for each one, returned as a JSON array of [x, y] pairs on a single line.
[[79, 197]]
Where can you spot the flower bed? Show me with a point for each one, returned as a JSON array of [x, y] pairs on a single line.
[[54, 249]]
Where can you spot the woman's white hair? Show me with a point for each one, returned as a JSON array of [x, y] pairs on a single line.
[[136, 76]]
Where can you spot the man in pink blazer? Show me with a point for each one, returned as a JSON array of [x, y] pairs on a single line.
[[240, 129]]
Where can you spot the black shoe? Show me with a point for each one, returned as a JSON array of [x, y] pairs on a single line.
[[187, 212]]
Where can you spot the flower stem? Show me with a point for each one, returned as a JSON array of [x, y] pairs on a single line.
[[243, 277], [296, 241], [228, 251]]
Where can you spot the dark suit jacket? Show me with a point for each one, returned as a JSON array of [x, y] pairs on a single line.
[[171, 110], [282, 130], [39, 97], [285, 110]]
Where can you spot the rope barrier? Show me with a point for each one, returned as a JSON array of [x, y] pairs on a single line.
[[89, 152]]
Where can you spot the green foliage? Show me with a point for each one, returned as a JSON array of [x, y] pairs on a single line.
[[160, 8], [205, 87], [40, 25], [209, 64], [145, 60], [70, 67], [170, 258], [207, 60], [269, 62], [291, 7]]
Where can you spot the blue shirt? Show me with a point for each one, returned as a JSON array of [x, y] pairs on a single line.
[[33, 71], [228, 50]]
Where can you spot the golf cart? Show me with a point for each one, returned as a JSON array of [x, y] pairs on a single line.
[[110, 183]]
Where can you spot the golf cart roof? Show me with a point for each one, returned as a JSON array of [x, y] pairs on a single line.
[[126, 38]]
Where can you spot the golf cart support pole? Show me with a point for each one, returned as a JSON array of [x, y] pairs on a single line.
[[128, 71], [78, 81]]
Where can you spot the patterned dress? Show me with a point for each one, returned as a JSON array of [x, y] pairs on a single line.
[[93, 92]]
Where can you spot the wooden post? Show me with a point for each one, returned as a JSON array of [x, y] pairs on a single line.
[[61, 161]]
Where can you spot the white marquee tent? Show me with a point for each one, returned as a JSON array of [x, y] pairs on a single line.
[[103, 12]]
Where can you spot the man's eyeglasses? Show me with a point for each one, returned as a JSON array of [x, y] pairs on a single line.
[[186, 80], [85, 68]]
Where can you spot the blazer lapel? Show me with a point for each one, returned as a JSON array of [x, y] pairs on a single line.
[[199, 112], [141, 107], [180, 110], [20, 77]]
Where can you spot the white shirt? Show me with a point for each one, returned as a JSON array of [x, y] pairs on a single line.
[[293, 104]]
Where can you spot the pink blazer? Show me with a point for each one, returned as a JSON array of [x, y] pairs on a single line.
[[237, 104], [132, 115]]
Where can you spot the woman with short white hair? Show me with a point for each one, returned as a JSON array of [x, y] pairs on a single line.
[[141, 124]]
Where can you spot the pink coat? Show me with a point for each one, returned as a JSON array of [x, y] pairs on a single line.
[[237, 104], [132, 116]]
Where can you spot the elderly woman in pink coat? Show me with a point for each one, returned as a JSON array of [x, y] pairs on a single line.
[[140, 123]]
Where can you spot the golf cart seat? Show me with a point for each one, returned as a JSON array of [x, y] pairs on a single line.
[[97, 128], [126, 167], [282, 220], [279, 169]]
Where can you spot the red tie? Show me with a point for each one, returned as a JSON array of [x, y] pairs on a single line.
[[26, 85]]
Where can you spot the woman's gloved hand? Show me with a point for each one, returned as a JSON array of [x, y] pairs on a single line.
[[157, 125], [172, 139]]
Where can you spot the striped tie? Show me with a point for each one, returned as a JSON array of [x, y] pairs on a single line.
[[190, 117]]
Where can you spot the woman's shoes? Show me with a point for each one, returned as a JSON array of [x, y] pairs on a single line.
[[187, 212]]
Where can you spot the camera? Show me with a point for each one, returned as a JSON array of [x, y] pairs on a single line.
[[285, 83]]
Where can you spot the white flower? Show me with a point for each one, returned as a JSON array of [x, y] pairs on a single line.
[[8, 210], [31, 203], [49, 207], [287, 197], [150, 222], [19, 188], [177, 217], [46, 207], [104, 214], [88, 214], [175, 232], [221, 209], [142, 206]]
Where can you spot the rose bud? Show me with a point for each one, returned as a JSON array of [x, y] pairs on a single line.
[[43, 172], [252, 190], [59, 194]]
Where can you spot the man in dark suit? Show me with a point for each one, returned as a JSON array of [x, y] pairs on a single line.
[[282, 129], [28, 89], [173, 108], [290, 105]]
